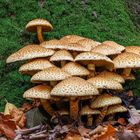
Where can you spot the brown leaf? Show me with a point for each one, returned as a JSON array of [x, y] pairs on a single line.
[[26, 107], [73, 136], [84, 132], [121, 121]]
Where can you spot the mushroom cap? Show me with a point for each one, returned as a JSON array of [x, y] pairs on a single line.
[[133, 49], [105, 83], [35, 65], [86, 110], [115, 109], [71, 38], [105, 100], [50, 74], [130, 77], [105, 50], [32, 25], [39, 91], [95, 58], [62, 55], [75, 69], [115, 45], [74, 86], [88, 43], [127, 60], [112, 76], [29, 52]]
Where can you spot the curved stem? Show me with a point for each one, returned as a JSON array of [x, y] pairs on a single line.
[[89, 120], [63, 63], [39, 34], [91, 68], [127, 71], [47, 107]]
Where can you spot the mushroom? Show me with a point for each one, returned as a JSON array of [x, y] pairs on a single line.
[[130, 77], [51, 74], [89, 112], [75, 69], [115, 45], [127, 61], [35, 66], [73, 88], [94, 59], [103, 101], [63, 56], [29, 52], [133, 49], [41, 92], [39, 26], [71, 38], [112, 76], [89, 43]]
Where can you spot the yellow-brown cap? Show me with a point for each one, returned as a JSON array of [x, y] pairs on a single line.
[[32, 25], [50, 74], [75, 69], [133, 49], [29, 52], [105, 100], [74, 86]]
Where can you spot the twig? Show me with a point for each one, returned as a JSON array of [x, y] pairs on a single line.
[[41, 136]]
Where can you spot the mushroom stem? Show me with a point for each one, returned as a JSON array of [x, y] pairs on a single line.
[[127, 71], [75, 54], [39, 34], [74, 106], [102, 115], [110, 118], [46, 105], [89, 120], [63, 63], [91, 68], [53, 83]]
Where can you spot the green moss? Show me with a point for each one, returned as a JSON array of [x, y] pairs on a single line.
[[97, 19]]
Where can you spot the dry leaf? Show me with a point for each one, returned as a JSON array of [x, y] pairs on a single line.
[[8, 108], [73, 136], [26, 107], [84, 132], [121, 121]]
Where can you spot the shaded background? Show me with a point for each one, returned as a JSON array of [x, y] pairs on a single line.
[[100, 20]]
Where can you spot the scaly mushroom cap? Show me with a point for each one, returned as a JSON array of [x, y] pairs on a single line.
[[105, 100], [88, 43], [29, 52], [95, 58], [75, 69], [61, 55], [105, 83], [133, 49], [50, 74], [35, 65], [116, 109], [71, 38], [105, 50], [53, 44], [115, 45], [112, 76], [127, 60], [40, 92], [32, 25], [74, 86], [86, 110]]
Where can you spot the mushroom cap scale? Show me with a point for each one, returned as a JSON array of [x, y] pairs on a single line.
[[39, 92], [112, 76], [75, 69], [133, 49], [32, 25], [116, 109], [127, 60], [29, 52], [35, 65], [50, 74], [61, 55], [74, 86], [105, 100], [104, 83]]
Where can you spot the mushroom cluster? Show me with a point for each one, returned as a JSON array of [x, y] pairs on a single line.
[[74, 74]]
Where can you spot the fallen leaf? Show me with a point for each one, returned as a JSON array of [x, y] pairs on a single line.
[[73, 136], [121, 121], [84, 132], [8, 108], [26, 107]]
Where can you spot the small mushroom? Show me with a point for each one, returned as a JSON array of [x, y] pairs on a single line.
[[103, 101], [39, 26], [111, 76], [51, 74], [63, 56], [133, 49], [89, 112], [35, 66], [41, 92], [127, 61], [73, 88], [75, 69], [29, 52]]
